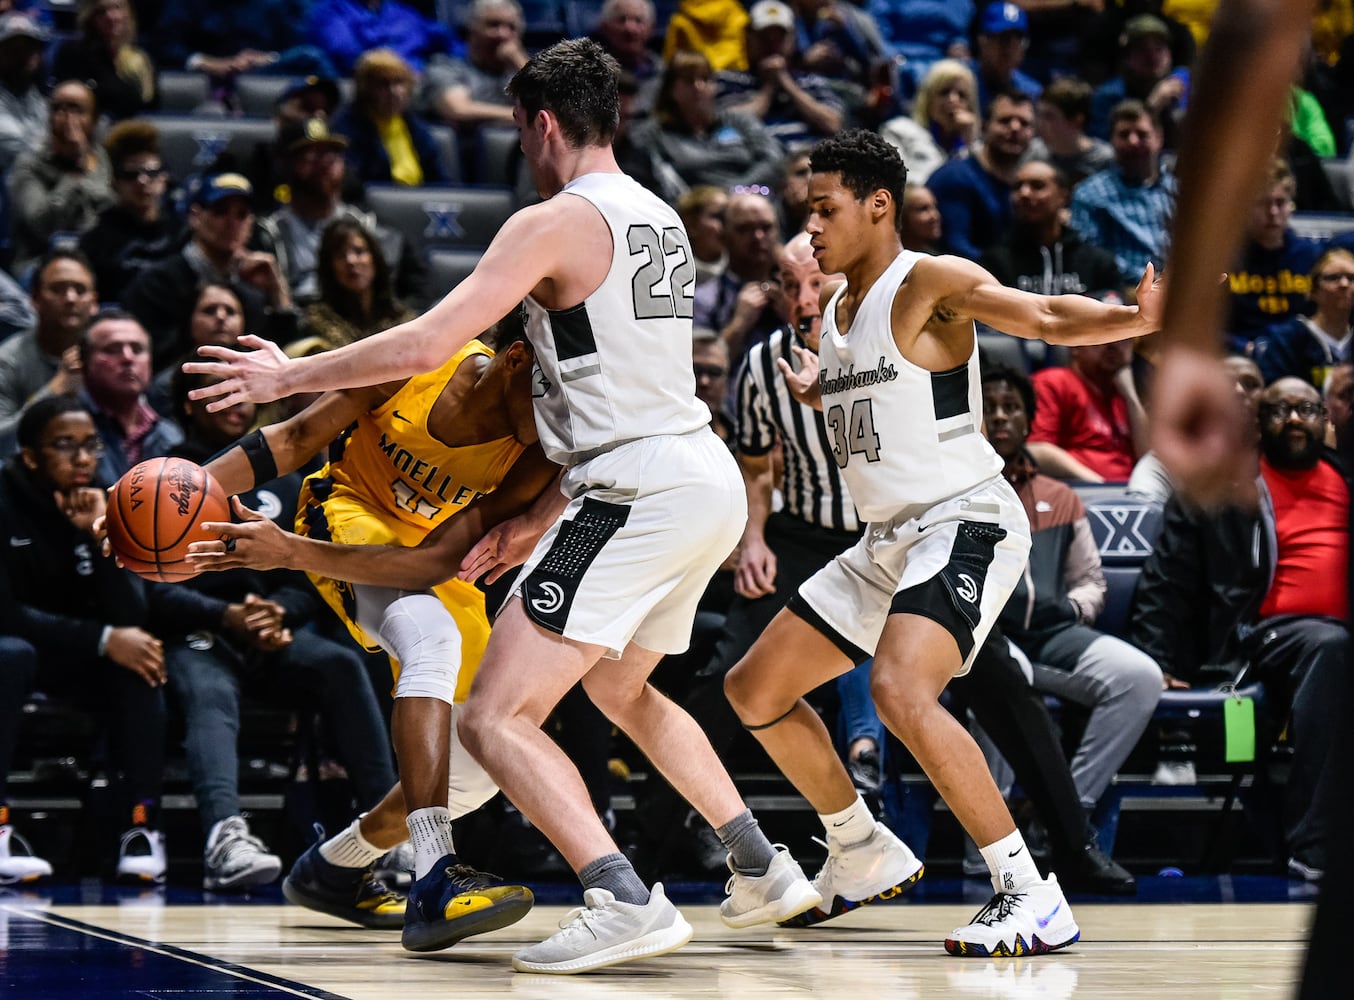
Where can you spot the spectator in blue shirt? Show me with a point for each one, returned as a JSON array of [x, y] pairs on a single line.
[[1270, 283], [974, 193], [226, 39], [1127, 208], [1003, 39], [925, 30], [344, 29], [1309, 347], [1146, 74]]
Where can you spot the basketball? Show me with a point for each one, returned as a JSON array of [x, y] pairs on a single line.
[[156, 510]]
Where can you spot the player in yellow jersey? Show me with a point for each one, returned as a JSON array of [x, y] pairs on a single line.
[[423, 470]]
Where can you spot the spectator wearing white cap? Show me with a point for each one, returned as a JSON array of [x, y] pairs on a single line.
[[798, 108], [23, 109]]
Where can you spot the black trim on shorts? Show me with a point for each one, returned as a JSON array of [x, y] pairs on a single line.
[[797, 605], [953, 597], [548, 592]]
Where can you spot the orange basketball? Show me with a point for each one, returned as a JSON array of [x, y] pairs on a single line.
[[156, 510]]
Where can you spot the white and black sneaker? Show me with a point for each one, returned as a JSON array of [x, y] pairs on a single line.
[[604, 931], [18, 863], [235, 859], [141, 856], [1033, 921]]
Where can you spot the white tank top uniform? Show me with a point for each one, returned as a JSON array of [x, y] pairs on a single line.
[[657, 502], [947, 537]]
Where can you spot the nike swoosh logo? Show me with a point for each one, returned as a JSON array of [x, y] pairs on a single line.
[[19, 543], [842, 823], [399, 416], [1043, 921], [1016, 851]]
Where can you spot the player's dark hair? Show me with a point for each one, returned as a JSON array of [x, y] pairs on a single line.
[[866, 162], [576, 81], [511, 329], [1016, 379], [35, 418]]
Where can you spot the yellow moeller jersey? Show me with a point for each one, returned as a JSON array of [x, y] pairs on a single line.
[[394, 467]]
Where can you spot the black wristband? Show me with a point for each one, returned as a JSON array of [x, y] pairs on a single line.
[[260, 457]]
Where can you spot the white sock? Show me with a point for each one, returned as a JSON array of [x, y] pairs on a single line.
[[1010, 863], [349, 849], [853, 825], [430, 833]]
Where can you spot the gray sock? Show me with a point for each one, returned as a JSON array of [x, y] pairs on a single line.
[[752, 852], [614, 873]]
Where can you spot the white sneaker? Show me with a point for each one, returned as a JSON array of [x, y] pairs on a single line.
[[1036, 920], [779, 894], [604, 931], [18, 863], [877, 869], [141, 856], [1175, 772], [235, 859]]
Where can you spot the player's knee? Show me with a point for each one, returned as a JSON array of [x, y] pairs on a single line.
[[419, 632], [475, 727], [738, 690], [903, 711]]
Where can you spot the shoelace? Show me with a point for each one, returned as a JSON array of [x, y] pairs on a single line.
[[234, 844], [998, 908], [372, 891], [581, 918], [470, 878]]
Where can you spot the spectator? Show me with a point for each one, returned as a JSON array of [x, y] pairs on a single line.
[[82, 622], [1273, 277], [792, 193], [921, 220], [1089, 424], [347, 29], [315, 168], [1308, 347], [1127, 208], [797, 108], [472, 91], [44, 360], [715, 29], [1145, 75], [23, 109], [1061, 114], [710, 362], [1003, 37], [638, 161], [700, 142], [1051, 612], [702, 211], [61, 187], [974, 193], [234, 635], [839, 40], [217, 317], [304, 97], [624, 30], [747, 301], [357, 296], [224, 40], [134, 232], [1262, 590], [115, 364], [925, 30], [1338, 394], [16, 307], [105, 56], [944, 122], [220, 222], [387, 144], [1041, 254]]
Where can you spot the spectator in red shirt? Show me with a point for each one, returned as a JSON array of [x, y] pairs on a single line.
[[1090, 424]]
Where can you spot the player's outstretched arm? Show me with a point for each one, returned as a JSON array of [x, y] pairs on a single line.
[[963, 290], [257, 543], [535, 245]]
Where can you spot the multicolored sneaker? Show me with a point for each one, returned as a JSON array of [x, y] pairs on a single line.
[[878, 869], [353, 894], [18, 863], [454, 901], [604, 931], [1034, 921]]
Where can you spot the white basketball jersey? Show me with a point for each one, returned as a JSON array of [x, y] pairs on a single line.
[[617, 367], [901, 435]]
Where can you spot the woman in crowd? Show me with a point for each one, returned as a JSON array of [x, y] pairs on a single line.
[[387, 144], [106, 56], [357, 297], [944, 120]]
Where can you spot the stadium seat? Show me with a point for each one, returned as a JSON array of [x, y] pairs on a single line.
[[1125, 531], [1341, 179], [1321, 226], [498, 155], [442, 217], [448, 268], [190, 144], [258, 93], [449, 149], [996, 347], [182, 92]]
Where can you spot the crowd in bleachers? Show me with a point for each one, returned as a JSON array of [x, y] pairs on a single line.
[[180, 173]]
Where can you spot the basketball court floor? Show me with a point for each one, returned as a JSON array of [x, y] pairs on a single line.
[[1206, 938]]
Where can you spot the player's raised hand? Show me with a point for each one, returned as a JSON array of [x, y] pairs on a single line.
[[256, 375], [254, 543], [803, 384]]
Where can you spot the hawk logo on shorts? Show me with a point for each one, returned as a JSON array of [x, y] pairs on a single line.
[[967, 588], [552, 601]]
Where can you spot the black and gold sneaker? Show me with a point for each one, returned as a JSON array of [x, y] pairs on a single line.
[[352, 894], [454, 901]]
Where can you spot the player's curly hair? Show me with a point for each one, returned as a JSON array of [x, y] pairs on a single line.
[[575, 80], [867, 162]]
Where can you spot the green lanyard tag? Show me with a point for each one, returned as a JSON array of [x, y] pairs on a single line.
[[1238, 725]]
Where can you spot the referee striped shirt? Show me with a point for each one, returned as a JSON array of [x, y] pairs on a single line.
[[813, 488]]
